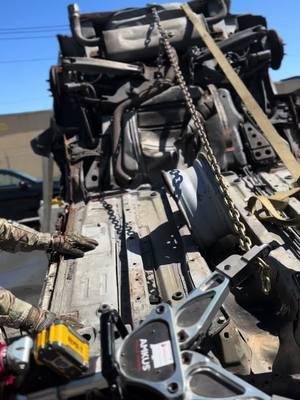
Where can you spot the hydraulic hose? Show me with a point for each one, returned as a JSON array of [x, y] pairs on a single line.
[[221, 14]]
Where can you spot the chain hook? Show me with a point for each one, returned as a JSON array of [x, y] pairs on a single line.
[[265, 276]]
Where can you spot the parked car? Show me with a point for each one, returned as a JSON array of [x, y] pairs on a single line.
[[20, 195]]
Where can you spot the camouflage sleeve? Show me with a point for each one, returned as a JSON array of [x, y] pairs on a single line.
[[16, 237], [13, 311]]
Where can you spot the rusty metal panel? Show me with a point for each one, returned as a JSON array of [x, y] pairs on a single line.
[[85, 285]]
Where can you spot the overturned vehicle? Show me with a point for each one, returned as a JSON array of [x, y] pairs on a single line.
[[179, 155]]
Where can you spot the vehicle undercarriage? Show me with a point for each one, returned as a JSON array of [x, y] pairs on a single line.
[[136, 174]]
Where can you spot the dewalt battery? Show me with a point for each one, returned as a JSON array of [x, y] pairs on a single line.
[[63, 350]]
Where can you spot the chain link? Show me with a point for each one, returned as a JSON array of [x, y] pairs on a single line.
[[239, 227], [160, 58]]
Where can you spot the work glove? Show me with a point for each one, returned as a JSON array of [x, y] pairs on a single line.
[[18, 314], [72, 245], [38, 320], [16, 237]]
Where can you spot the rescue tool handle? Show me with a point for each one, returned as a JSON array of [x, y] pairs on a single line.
[[110, 322]]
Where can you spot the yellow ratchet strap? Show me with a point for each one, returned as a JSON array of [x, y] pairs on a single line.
[[279, 145], [269, 208]]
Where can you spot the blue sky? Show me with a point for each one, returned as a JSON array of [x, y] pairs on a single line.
[[23, 84]]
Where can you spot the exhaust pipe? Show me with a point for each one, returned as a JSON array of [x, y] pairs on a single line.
[[74, 17]]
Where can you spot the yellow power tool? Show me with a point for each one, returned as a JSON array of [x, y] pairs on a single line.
[[63, 350]]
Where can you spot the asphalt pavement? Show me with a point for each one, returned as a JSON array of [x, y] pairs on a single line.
[[23, 274]]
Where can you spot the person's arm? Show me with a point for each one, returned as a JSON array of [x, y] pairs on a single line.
[[15, 237], [18, 314]]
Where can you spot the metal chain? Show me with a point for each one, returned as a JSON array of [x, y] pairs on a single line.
[[160, 58], [239, 227]]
